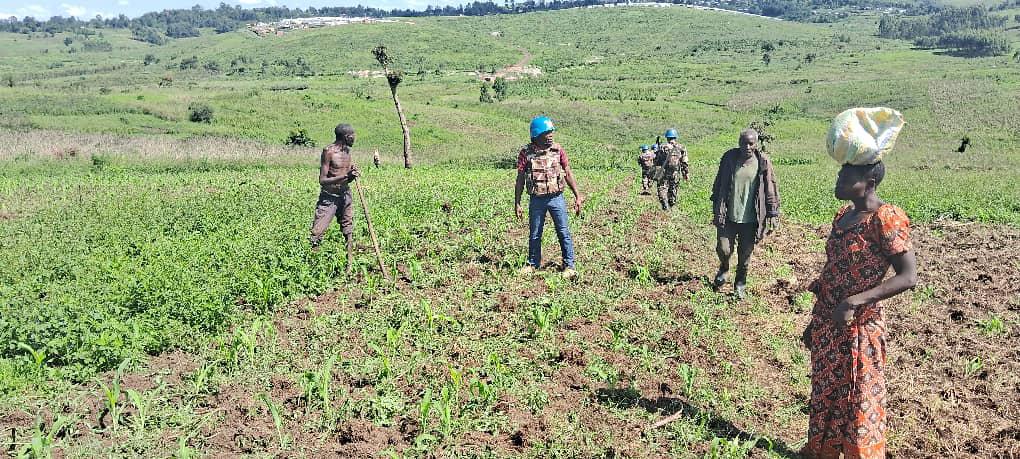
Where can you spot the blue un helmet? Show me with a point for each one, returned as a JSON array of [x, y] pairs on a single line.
[[645, 147], [540, 125], [671, 134]]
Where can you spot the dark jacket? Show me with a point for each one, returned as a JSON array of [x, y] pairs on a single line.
[[767, 200]]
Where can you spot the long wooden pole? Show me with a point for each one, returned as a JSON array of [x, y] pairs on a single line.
[[371, 230]]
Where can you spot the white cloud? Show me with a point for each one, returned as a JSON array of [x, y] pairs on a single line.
[[123, 2], [249, 2], [74, 10], [36, 11]]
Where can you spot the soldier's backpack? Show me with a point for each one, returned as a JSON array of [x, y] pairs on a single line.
[[647, 159], [674, 157], [544, 175]]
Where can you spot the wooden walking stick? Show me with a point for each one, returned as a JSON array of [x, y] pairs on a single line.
[[371, 230]]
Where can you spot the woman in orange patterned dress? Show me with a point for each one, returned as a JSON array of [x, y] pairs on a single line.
[[846, 335]]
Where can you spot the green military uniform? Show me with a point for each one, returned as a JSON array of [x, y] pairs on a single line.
[[647, 162], [672, 158]]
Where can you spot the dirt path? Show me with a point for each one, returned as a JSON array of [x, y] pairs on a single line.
[[517, 67], [512, 72]]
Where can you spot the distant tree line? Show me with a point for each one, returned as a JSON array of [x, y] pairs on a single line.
[[969, 30], [158, 27]]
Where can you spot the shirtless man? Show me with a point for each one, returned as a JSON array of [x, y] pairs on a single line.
[[336, 172]]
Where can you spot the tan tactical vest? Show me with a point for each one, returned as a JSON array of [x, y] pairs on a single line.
[[544, 174]]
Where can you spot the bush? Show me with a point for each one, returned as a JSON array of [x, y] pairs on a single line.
[[484, 96], [500, 87], [200, 113], [97, 46], [188, 63], [299, 137], [181, 30], [148, 35]]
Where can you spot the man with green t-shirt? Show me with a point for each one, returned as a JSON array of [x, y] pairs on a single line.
[[745, 206]]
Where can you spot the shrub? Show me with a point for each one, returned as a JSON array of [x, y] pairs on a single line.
[[299, 137], [484, 96], [200, 113], [500, 87]]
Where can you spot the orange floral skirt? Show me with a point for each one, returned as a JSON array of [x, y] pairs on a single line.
[[848, 391]]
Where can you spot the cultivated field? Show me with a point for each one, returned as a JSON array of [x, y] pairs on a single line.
[[158, 298]]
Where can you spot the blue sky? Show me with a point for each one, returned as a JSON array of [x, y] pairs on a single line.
[[87, 9]]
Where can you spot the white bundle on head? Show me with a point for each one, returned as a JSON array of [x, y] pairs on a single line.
[[861, 136]]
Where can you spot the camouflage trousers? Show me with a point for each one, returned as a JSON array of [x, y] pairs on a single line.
[[668, 188], [646, 179]]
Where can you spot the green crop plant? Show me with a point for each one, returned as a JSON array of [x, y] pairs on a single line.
[[201, 379], [38, 358], [316, 388], [184, 451], [497, 370], [483, 393], [385, 367], [689, 375], [142, 410], [424, 411], [993, 326], [111, 395], [803, 301], [646, 356], [446, 407], [393, 338], [730, 448], [42, 441], [972, 366], [619, 332], [642, 275], [543, 318], [600, 370], [276, 412]]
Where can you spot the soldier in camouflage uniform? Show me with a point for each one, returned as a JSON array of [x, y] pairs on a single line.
[[336, 172], [671, 158], [646, 160]]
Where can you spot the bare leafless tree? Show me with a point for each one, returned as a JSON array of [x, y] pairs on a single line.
[[394, 77]]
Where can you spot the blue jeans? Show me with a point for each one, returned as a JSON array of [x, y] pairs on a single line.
[[557, 208]]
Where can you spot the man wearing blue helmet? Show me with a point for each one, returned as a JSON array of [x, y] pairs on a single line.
[[646, 160], [672, 158], [544, 170]]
